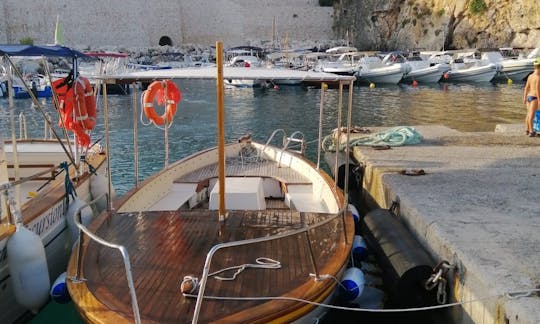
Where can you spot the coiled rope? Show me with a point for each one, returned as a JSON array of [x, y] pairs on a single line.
[[191, 283], [397, 136]]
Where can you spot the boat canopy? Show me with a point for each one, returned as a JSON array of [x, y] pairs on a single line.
[[39, 50], [228, 73]]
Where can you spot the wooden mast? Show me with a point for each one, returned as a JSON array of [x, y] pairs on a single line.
[[221, 129]]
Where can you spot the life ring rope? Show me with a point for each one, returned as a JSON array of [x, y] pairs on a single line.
[[164, 92]]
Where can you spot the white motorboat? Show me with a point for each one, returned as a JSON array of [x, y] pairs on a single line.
[[39, 177], [241, 205], [345, 64], [247, 62], [247, 57], [515, 69], [463, 72], [422, 71], [373, 70], [466, 66]]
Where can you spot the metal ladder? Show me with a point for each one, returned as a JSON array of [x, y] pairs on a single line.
[[296, 138]]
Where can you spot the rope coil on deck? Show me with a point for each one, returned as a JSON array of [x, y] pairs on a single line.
[[396, 136], [191, 283]]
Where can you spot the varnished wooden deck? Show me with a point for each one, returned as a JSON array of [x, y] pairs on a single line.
[[166, 246]]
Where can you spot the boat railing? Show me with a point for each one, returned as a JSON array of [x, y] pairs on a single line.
[[23, 131], [304, 230], [121, 248], [296, 138], [271, 138], [23, 127]]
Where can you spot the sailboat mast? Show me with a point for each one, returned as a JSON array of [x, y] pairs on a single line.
[[220, 103]]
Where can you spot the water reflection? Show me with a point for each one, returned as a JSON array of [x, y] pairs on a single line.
[[465, 107]]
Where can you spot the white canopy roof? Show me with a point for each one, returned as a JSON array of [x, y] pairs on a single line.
[[251, 73]]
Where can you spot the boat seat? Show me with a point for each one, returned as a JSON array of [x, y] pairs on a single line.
[[300, 198], [178, 195], [241, 193]]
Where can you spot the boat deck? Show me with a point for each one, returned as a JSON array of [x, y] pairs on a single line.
[[165, 246], [235, 168]]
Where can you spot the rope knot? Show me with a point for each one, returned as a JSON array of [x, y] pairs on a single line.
[[189, 284]]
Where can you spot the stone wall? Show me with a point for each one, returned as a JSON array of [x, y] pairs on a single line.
[[135, 23]]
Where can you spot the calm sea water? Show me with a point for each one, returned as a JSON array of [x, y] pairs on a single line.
[[465, 107]]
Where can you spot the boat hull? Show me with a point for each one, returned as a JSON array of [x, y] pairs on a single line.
[[475, 74], [193, 231], [432, 74], [45, 216], [382, 75]]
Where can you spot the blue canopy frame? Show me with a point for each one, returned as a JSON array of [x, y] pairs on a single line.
[[40, 50]]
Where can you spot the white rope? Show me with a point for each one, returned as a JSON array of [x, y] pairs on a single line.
[[262, 263], [371, 310]]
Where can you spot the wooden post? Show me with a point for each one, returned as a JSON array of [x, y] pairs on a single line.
[[221, 129]]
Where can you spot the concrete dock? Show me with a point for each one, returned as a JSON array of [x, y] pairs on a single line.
[[477, 207]]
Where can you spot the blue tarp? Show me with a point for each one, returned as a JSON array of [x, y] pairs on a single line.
[[41, 50]]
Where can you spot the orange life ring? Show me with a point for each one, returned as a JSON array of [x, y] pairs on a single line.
[[164, 92], [85, 103], [77, 107]]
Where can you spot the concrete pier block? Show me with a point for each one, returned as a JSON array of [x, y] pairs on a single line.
[[477, 207]]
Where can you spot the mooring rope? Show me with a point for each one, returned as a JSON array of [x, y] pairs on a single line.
[[514, 294], [397, 136]]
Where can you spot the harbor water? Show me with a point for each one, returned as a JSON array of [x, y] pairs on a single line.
[[465, 107]]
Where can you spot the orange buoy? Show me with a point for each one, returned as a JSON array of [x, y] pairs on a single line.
[[164, 92]]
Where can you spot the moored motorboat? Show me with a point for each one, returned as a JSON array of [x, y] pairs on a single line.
[[462, 73], [515, 69], [39, 178], [422, 71], [188, 232], [373, 70]]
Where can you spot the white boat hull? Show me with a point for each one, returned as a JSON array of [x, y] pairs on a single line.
[[50, 224], [514, 72], [484, 73], [386, 75], [243, 83], [432, 74]]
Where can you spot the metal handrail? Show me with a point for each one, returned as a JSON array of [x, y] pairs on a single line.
[[215, 248], [23, 132], [121, 248], [271, 138], [296, 140]]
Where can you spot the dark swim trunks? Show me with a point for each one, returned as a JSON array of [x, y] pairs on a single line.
[[531, 98]]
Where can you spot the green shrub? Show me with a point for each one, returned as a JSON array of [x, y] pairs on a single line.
[[477, 6], [440, 12], [26, 41]]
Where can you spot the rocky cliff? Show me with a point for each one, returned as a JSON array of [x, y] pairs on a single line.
[[428, 24]]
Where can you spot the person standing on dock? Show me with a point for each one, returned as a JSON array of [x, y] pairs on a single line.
[[530, 97]]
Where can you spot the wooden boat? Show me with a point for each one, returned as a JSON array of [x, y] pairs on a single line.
[[274, 243], [34, 192]]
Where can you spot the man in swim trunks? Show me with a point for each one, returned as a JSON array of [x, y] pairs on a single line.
[[530, 97]]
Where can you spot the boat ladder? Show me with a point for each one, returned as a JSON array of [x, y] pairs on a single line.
[[296, 138]]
